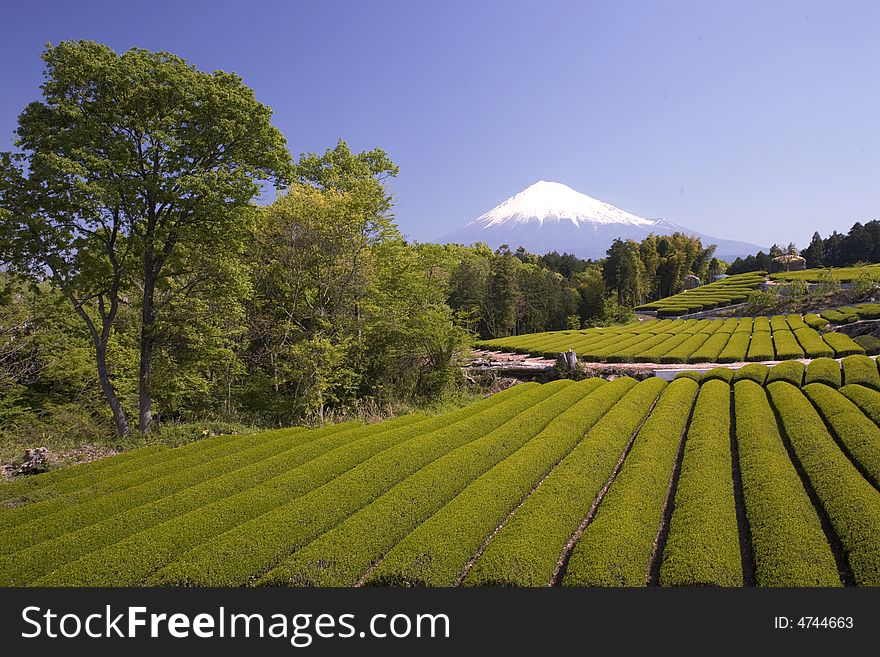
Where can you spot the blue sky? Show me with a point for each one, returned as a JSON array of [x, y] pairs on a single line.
[[757, 121]]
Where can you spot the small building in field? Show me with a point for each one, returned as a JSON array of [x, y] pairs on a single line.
[[690, 282], [787, 263]]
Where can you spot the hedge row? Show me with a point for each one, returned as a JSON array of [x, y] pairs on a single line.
[[852, 504], [866, 399], [130, 560], [526, 550], [823, 370], [843, 345], [24, 487], [115, 494], [860, 370], [253, 547], [437, 552], [711, 349], [812, 343], [44, 520], [736, 349], [340, 556], [703, 542], [756, 372], [789, 546], [869, 343], [786, 346], [791, 371], [761, 347], [683, 352], [693, 340], [98, 530], [617, 546], [857, 433], [74, 490], [814, 321]]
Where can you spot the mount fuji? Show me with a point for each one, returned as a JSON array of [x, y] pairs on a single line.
[[550, 216]]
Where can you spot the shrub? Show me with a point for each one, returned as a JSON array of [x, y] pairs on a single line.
[[703, 542], [791, 371], [812, 343], [856, 432], [736, 349], [340, 556], [789, 546], [616, 547], [815, 322], [711, 349], [436, 553], [719, 374], [824, 370], [843, 345], [251, 521], [96, 530], [869, 343], [693, 375], [525, 551], [682, 352], [760, 347], [756, 372], [786, 345], [852, 504], [866, 399], [673, 311], [860, 370]]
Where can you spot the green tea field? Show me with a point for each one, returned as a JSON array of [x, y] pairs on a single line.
[[768, 480], [690, 341]]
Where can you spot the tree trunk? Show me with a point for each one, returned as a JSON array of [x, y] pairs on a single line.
[[122, 427], [144, 399]]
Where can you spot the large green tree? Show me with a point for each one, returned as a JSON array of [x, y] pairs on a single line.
[[128, 163]]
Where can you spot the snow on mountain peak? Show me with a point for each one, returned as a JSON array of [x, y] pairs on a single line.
[[553, 201]]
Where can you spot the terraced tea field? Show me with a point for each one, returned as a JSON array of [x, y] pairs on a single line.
[[731, 290], [767, 480], [690, 341]]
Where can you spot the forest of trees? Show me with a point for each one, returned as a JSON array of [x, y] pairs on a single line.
[[860, 244]]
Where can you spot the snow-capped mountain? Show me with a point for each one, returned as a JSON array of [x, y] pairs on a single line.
[[550, 216]]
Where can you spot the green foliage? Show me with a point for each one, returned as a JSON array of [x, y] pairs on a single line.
[[812, 343], [760, 346], [129, 166], [791, 371], [703, 543], [815, 321], [843, 345], [860, 370], [857, 433], [866, 399], [756, 372], [616, 547], [340, 556], [230, 510], [436, 553], [788, 543], [291, 524], [852, 504], [824, 370], [525, 551]]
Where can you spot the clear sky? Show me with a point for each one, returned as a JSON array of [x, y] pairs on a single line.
[[747, 120]]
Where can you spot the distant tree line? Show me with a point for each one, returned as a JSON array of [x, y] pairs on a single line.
[[502, 293], [860, 244]]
